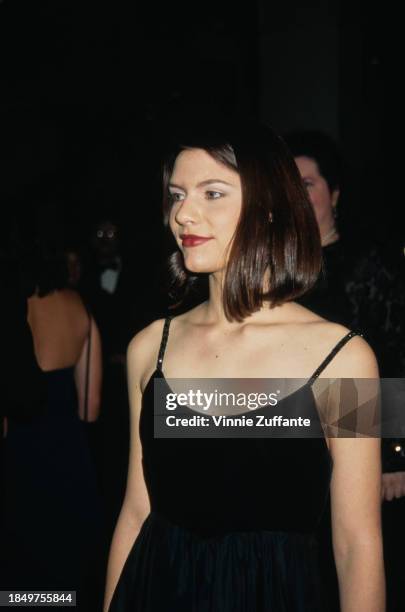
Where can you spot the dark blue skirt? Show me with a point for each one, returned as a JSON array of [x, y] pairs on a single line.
[[172, 569]]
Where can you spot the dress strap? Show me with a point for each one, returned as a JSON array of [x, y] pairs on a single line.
[[331, 355], [163, 343]]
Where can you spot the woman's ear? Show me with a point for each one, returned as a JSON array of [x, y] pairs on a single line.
[[334, 198]]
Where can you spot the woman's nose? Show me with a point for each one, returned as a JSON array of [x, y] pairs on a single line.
[[187, 212]]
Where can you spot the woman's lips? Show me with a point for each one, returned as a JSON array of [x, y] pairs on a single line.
[[191, 240]]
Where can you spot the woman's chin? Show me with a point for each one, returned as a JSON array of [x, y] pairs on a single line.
[[197, 269], [200, 267]]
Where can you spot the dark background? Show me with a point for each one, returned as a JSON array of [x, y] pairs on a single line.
[[90, 89]]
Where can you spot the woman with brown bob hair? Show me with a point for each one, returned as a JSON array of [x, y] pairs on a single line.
[[276, 232], [226, 524]]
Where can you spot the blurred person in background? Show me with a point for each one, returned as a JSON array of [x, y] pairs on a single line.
[[359, 285], [109, 284], [360, 288], [53, 513]]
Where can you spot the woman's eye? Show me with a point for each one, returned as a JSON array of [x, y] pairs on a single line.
[[175, 197], [213, 195], [308, 184]]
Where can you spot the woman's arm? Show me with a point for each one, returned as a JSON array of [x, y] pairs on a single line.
[[95, 375], [136, 505], [356, 500], [356, 528]]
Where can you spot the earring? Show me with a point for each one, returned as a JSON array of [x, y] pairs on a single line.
[[270, 217]]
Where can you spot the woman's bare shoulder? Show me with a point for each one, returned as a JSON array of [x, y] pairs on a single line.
[[146, 340], [317, 333], [143, 350], [354, 359]]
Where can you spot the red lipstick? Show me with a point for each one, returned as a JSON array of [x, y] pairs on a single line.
[[192, 240]]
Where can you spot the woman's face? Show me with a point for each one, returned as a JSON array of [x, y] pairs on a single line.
[[322, 199], [206, 204]]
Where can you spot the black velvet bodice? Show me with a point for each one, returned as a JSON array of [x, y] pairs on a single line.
[[213, 486]]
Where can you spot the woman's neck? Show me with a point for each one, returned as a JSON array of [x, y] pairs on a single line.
[[213, 311], [214, 307]]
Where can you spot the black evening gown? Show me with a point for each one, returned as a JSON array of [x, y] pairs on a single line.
[[52, 508], [232, 521]]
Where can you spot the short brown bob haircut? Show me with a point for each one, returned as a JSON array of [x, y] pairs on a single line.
[[277, 231]]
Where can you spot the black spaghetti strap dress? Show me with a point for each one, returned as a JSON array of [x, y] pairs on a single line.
[[232, 521]]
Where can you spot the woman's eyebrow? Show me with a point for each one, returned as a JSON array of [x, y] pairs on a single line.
[[203, 183], [210, 181]]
